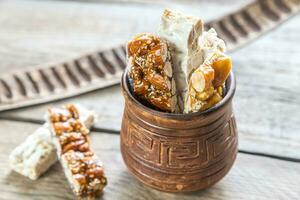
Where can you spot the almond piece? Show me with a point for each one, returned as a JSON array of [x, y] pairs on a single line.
[[173, 90], [202, 78], [141, 88], [161, 103], [158, 81], [157, 55], [61, 127], [73, 145], [168, 69]]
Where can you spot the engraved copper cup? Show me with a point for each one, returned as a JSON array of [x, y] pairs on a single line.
[[178, 152]]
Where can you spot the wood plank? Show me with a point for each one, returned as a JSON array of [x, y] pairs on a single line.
[[252, 177], [108, 103], [266, 102]]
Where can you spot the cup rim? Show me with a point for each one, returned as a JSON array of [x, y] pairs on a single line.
[[230, 86]]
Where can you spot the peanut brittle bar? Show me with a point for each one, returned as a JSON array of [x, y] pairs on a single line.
[[81, 166], [151, 71]]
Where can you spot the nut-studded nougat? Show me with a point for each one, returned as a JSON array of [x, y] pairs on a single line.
[[193, 58], [37, 153], [81, 166], [150, 68], [182, 32], [206, 83]]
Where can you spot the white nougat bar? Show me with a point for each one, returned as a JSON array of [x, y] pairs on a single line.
[[37, 153], [151, 71], [182, 32]]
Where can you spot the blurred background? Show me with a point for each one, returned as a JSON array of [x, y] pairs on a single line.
[[267, 101]]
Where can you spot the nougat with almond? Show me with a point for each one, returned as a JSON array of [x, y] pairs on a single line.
[[182, 69], [182, 32], [206, 85]]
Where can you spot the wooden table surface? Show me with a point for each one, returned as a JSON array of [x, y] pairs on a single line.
[[267, 101]]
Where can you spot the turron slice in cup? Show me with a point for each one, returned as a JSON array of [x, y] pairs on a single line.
[[181, 68], [178, 130]]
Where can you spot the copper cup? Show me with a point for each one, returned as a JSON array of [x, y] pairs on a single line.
[[178, 152]]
